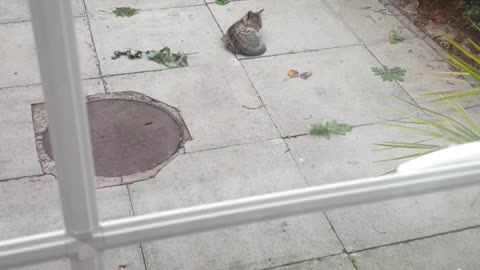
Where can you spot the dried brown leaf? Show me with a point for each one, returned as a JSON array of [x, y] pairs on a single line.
[[305, 75], [292, 73]]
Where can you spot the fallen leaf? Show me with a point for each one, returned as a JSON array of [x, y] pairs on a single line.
[[292, 73], [305, 75]]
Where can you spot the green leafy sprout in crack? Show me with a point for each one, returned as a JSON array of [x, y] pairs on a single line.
[[352, 259], [222, 2], [394, 36], [124, 11], [329, 128], [387, 74]]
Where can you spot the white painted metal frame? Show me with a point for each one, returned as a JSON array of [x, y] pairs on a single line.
[[85, 237]]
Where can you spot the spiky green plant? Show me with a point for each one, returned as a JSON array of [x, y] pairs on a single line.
[[467, 70], [443, 129]]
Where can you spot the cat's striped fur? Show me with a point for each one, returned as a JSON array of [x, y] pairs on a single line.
[[243, 36]]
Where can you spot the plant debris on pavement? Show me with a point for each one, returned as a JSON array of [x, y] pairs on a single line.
[[168, 59], [329, 128], [305, 75], [292, 73], [163, 56]]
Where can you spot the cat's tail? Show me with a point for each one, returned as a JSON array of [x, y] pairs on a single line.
[[228, 43], [254, 51]]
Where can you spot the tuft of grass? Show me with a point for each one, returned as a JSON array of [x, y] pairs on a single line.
[[329, 128], [394, 36], [389, 74], [222, 2], [124, 11]]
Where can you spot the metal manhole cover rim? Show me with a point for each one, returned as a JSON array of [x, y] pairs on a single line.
[[47, 164]]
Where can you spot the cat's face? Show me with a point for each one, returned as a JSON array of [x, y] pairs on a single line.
[[253, 19]]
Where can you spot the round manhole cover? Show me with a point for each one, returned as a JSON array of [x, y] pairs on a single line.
[[128, 136]]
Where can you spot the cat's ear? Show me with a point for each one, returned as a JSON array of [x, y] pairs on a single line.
[[259, 12], [250, 14]]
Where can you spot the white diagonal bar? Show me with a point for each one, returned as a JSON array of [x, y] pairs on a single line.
[[68, 124], [173, 223], [36, 248], [206, 217]]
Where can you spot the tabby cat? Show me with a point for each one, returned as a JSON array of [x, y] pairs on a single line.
[[243, 36]]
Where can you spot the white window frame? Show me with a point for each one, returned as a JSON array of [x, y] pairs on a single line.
[[85, 236]]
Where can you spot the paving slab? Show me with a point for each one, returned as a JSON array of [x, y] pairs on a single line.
[[290, 26], [387, 222], [18, 155], [19, 10], [348, 157], [341, 88], [420, 61], [217, 103], [228, 173], [451, 251], [36, 203], [191, 30], [368, 19], [130, 256], [338, 262], [94, 6], [20, 65]]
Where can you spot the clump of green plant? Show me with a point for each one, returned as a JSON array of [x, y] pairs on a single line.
[[394, 36], [326, 130], [389, 74], [124, 11], [222, 2]]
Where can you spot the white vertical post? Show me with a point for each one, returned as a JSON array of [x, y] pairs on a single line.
[[68, 124]]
